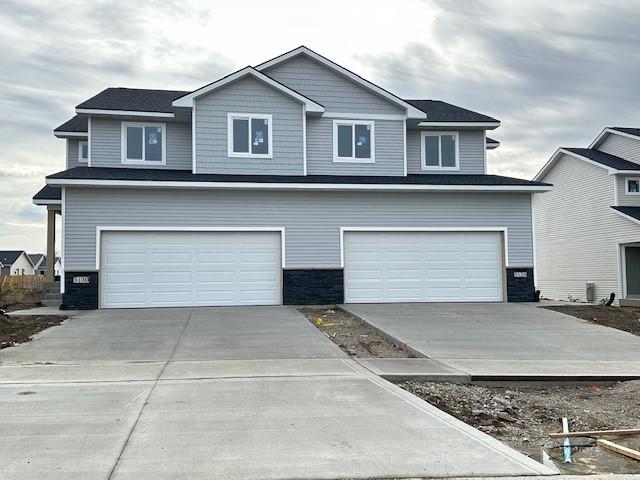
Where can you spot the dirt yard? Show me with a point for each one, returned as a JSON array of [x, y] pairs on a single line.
[[351, 335], [12, 299], [14, 330], [522, 417], [622, 318]]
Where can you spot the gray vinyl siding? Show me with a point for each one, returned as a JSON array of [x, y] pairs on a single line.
[[106, 139], [248, 96], [624, 147], [389, 151], [327, 87], [312, 219], [73, 153], [472, 153], [577, 232], [624, 198]]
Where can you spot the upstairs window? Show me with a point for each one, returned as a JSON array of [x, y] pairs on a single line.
[[439, 151], [250, 135], [353, 141], [143, 143], [633, 186], [83, 152]]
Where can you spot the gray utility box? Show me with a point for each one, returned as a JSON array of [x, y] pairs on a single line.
[[591, 292]]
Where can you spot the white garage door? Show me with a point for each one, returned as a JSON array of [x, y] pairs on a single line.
[[168, 269], [422, 267]]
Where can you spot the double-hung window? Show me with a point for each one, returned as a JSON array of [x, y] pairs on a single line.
[[250, 135], [353, 141], [633, 186], [83, 151], [439, 151], [144, 143]]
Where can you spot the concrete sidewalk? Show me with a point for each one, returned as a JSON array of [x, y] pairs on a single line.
[[507, 340], [220, 393]]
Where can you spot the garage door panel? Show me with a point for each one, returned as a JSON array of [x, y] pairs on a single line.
[[190, 268], [422, 266]]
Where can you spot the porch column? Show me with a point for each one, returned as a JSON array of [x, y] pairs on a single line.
[[51, 244]]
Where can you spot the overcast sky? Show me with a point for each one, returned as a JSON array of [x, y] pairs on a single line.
[[554, 72]]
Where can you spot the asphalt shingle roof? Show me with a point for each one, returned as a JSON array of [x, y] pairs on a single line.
[[133, 99], [8, 257], [76, 124], [633, 212], [439, 111], [605, 158], [100, 173], [630, 131], [49, 193]]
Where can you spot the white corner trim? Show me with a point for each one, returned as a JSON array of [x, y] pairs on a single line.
[[624, 215], [533, 232], [125, 228], [128, 113], [187, 100], [248, 116], [62, 240], [143, 125], [404, 147], [423, 158], [70, 134], [89, 142], [193, 138], [615, 190], [489, 125], [304, 140], [503, 230], [353, 158], [484, 152], [412, 112], [296, 186]]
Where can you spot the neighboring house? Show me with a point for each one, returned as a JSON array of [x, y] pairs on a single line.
[[588, 227], [15, 262], [295, 181], [39, 262]]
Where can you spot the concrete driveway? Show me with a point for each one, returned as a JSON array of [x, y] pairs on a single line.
[[219, 393], [496, 340]]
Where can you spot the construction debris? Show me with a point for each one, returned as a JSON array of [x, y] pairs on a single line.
[[621, 449]]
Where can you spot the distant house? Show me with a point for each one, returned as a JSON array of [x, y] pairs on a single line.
[[15, 262], [39, 261]]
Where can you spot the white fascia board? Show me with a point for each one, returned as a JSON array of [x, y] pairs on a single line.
[[296, 186], [121, 113], [412, 112], [625, 172], [47, 202], [624, 215], [187, 100], [492, 145], [487, 125], [606, 131], [554, 158], [71, 134]]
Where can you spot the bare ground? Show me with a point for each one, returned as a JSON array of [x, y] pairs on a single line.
[[352, 335], [622, 318], [14, 330], [12, 299], [523, 416]]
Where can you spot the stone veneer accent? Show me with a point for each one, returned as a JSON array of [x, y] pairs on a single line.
[[310, 286], [520, 285], [80, 291]]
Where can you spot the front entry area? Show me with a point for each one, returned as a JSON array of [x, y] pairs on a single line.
[[423, 266], [184, 268], [632, 270]]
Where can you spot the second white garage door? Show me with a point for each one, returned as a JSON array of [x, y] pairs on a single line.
[[385, 267], [168, 269]]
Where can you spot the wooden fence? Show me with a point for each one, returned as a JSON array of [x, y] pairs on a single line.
[[24, 282]]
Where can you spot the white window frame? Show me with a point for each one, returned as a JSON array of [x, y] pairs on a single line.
[[137, 161], [248, 116], [423, 157], [352, 158], [80, 159], [626, 185]]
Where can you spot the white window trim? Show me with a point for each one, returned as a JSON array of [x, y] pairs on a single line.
[[80, 159], [135, 161], [626, 185], [352, 158], [250, 117], [423, 158]]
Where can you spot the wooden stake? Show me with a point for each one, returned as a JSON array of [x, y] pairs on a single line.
[[621, 449], [598, 433]]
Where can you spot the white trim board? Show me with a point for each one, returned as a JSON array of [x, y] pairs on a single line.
[[608, 130], [504, 230], [363, 116], [187, 100], [70, 134], [624, 215], [298, 186], [489, 125], [124, 228], [129, 113], [62, 242], [47, 202], [412, 112]]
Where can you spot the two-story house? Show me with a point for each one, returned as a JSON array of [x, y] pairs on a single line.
[[588, 228], [294, 181]]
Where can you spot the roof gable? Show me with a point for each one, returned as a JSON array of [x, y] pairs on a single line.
[[303, 51], [9, 257], [188, 99], [622, 131], [609, 162]]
